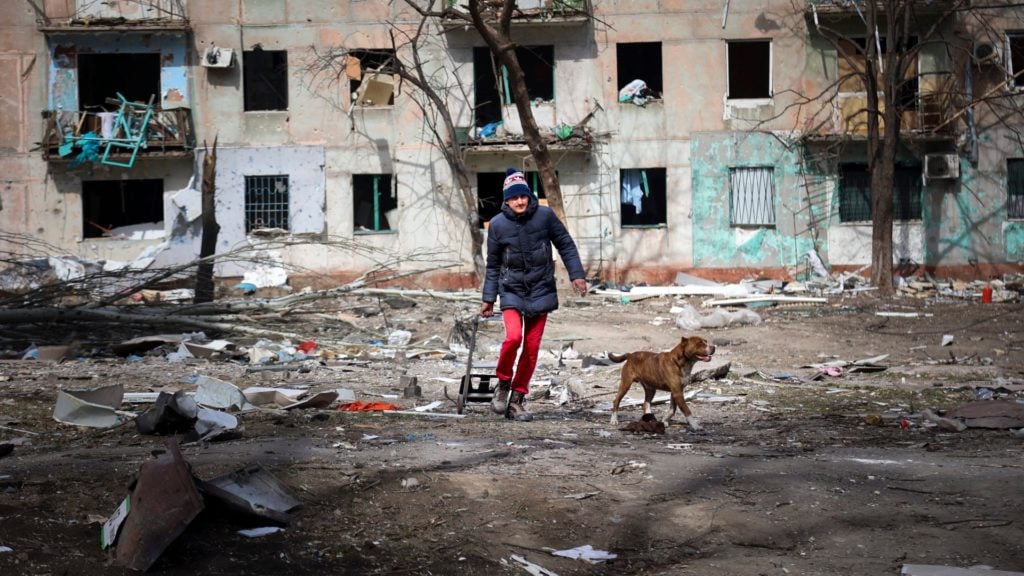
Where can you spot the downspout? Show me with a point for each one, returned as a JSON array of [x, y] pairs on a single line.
[[972, 128]]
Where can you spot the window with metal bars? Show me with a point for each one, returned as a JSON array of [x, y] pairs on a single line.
[[855, 193], [752, 196], [643, 197], [1015, 188], [266, 202], [374, 200]]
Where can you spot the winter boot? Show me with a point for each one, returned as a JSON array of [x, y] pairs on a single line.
[[517, 408], [499, 402]]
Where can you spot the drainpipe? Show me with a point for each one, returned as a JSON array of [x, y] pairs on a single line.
[[972, 128]]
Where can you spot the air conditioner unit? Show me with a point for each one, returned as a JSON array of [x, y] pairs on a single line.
[[941, 166], [214, 57], [987, 53]]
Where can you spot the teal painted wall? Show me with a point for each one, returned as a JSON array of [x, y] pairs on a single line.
[[717, 243]]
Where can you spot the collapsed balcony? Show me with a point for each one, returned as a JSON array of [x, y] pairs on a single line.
[[136, 130]]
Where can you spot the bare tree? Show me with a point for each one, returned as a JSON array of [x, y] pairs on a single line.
[[433, 86], [878, 44], [492, 19]]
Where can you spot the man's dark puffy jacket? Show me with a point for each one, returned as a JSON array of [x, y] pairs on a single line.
[[520, 266]]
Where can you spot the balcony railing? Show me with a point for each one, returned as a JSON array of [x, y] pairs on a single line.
[[538, 12], [93, 16], [117, 138]]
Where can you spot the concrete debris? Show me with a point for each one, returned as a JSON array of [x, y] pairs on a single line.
[[163, 503], [993, 414], [96, 408], [930, 570], [254, 491]]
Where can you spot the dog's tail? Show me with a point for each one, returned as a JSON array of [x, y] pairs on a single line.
[[617, 357]]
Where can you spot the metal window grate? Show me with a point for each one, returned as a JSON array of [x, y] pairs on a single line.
[[266, 202], [1015, 188], [855, 193], [751, 202]]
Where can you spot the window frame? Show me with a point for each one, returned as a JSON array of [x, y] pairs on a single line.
[[1014, 83], [907, 173], [771, 70], [660, 201], [769, 202], [658, 87], [378, 212], [250, 212], [248, 81], [375, 54], [1015, 190], [95, 188]]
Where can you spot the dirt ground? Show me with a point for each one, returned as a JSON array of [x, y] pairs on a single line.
[[788, 476]]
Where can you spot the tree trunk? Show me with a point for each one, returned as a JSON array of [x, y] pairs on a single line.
[[500, 42], [204, 272]]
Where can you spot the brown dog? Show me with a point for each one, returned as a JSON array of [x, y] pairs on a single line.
[[662, 371]]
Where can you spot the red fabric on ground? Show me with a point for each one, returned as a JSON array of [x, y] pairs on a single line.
[[360, 406]]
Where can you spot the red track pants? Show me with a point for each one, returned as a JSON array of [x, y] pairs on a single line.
[[514, 338]]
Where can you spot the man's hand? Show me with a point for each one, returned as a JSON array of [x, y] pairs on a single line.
[[579, 285], [487, 310]]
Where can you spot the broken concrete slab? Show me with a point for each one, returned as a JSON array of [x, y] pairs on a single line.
[[994, 414], [164, 501], [252, 490], [96, 408]]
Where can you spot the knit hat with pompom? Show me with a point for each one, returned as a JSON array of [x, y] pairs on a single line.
[[515, 185]]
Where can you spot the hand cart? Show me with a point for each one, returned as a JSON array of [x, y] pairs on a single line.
[[475, 387]]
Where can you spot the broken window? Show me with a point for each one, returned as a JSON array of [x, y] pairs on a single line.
[[491, 82], [102, 76], [109, 204], [639, 61], [750, 69], [855, 193], [489, 192], [371, 77], [266, 202], [1015, 188], [752, 196], [375, 202], [1015, 59], [643, 197], [265, 79], [853, 67]]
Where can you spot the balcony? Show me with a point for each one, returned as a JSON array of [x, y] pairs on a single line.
[[546, 13], [843, 7], [137, 131], [62, 16]]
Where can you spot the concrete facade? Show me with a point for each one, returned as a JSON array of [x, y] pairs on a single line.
[[696, 135]]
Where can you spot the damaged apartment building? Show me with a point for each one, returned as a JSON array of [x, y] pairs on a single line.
[[688, 135]]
